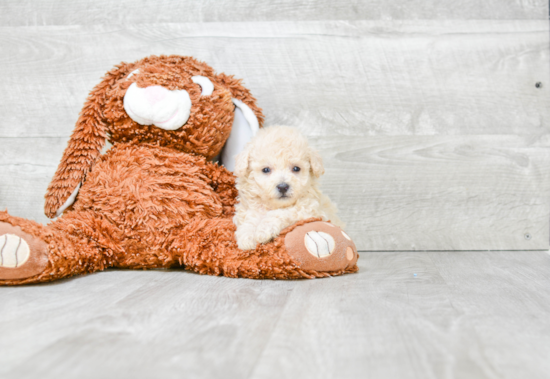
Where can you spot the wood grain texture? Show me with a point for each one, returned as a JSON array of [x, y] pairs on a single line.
[[88, 12], [395, 192], [328, 78], [27, 166], [433, 131], [464, 315], [441, 192], [451, 320]]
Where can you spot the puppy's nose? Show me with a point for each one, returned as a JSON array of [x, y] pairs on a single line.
[[283, 188]]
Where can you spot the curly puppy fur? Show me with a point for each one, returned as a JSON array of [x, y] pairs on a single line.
[[277, 179]]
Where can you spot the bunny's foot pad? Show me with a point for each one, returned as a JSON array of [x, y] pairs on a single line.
[[21, 255], [322, 247]]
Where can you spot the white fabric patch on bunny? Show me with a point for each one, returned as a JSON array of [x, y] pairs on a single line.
[[156, 105], [69, 201], [245, 126], [205, 83]]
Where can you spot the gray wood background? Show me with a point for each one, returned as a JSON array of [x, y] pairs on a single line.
[[434, 137], [434, 134]]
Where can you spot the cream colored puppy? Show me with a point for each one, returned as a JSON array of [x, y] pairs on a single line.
[[277, 181]]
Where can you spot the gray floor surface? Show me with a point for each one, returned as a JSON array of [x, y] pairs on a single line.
[[404, 315]]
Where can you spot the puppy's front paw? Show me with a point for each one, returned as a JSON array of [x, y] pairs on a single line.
[[245, 241], [263, 236], [247, 245], [266, 231]]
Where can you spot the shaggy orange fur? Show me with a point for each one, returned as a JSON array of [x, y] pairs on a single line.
[[154, 200]]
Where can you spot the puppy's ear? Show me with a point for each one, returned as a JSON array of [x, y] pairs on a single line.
[[241, 162], [316, 163]]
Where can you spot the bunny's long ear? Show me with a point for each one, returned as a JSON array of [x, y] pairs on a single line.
[[246, 123], [83, 149]]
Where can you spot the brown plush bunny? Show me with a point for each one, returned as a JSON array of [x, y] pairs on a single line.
[[156, 199]]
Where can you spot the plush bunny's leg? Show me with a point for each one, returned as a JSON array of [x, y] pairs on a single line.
[[209, 247], [21, 254], [31, 252], [320, 246]]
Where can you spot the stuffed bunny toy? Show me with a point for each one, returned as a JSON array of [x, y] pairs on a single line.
[[163, 195]]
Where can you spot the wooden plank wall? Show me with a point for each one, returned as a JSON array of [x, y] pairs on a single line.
[[434, 133]]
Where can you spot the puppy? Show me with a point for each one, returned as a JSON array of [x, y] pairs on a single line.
[[277, 181]]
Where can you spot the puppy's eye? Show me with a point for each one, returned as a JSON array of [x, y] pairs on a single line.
[[266, 170], [296, 169]]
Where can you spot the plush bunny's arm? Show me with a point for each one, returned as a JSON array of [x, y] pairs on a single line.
[[223, 183]]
